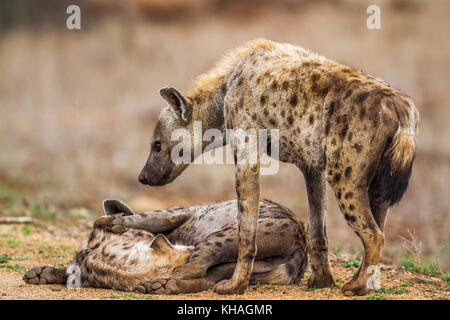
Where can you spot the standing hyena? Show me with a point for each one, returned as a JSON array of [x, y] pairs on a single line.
[[335, 124]]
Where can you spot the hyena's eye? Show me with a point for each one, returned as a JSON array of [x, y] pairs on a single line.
[[156, 146]]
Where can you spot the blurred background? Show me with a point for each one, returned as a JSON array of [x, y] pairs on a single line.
[[78, 107]]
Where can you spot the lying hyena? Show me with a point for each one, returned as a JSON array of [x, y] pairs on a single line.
[[335, 124], [123, 253]]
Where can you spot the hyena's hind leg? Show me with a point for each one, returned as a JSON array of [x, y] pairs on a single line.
[[321, 276], [46, 275], [350, 181]]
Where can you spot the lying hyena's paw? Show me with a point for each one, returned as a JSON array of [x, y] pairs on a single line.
[[113, 223], [176, 286], [44, 275]]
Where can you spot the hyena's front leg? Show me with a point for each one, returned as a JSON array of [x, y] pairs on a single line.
[[321, 276], [247, 189], [120, 218]]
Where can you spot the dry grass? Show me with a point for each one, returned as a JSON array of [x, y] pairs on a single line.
[[77, 108]]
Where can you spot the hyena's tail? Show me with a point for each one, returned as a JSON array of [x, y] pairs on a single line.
[[394, 170], [290, 272]]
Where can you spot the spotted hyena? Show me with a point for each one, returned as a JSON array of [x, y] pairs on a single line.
[[194, 248], [335, 124]]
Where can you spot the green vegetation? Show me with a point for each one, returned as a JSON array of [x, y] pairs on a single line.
[[10, 243], [416, 264], [354, 263], [376, 297], [446, 276], [15, 267], [4, 258], [391, 290], [39, 211], [26, 229], [266, 286], [407, 284], [129, 296]]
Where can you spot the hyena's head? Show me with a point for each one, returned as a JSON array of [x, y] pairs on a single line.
[[160, 168], [166, 254]]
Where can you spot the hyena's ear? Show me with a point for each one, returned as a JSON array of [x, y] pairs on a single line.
[[161, 244], [177, 101], [111, 206]]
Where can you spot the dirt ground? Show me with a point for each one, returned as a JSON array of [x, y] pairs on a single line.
[[48, 243]]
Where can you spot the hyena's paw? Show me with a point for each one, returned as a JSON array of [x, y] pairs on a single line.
[[355, 287], [175, 286], [321, 279], [113, 223], [45, 275]]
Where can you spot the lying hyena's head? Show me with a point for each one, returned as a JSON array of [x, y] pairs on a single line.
[[166, 254], [160, 168]]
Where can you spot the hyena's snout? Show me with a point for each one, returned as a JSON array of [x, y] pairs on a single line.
[[142, 177]]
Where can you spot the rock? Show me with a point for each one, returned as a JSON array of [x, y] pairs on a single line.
[[56, 288], [425, 280]]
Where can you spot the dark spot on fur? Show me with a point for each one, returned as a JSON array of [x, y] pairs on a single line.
[[241, 103], [311, 119], [348, 93], [263, 99], [349, 218], [229, 240], [269, 224], [218, 244], [348, 172], [290, 120], [360, 97], [349, 195], [327, 127], [285, 225], [274, 85], [273, 122], [350, 136], [330, 172], [362, 112], [351, 207], [343, 131], [339, 194], [337, 177], [333, 141], [283, 113], [293, 100], [285, 85]]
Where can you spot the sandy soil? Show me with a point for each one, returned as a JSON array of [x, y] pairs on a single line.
[[48, 243]]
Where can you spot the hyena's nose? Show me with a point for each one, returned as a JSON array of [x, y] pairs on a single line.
[[141, 177]]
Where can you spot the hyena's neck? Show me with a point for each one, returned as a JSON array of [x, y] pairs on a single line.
[[208, 107]]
